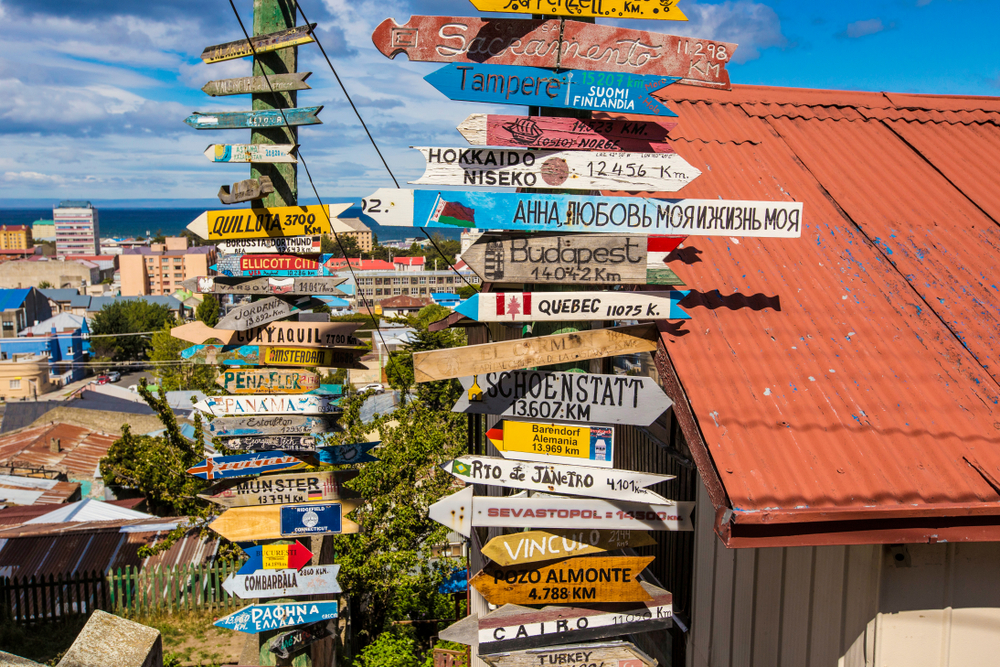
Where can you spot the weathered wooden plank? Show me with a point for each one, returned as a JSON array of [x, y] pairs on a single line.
[[319, 580], [575, 89], [281, 489], [231, 427], [249, 524], [589, 580], [242, 48], [267, 381], [256, 355], [539, 212], [245, 120], [542, 545], [247, 190], [571, 134], [630, 9], [246, 85], [573, 306], [233, 153], [550, 44], [312, 285], [279, 245], [241, 465], [288, 643], [349, 454], [308, 404], [528, 352], [606, 654], [272, 443], [257, 314], [265, 222], [262, 617], [554, 443], [299, 334]]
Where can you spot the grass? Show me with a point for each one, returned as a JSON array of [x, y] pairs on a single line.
[[43, 643]]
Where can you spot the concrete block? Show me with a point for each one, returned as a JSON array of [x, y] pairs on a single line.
[[110, 641]]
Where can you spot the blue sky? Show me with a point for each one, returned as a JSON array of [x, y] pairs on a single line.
[[95, 92]]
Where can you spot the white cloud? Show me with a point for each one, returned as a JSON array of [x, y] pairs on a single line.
[[863, 28]]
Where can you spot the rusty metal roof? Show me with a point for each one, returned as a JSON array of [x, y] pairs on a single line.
[[80, 448], [868, 408]]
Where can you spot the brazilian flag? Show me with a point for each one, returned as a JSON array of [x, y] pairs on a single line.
[[460, 468]]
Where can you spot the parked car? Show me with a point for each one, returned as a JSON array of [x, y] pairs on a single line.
[[101, 379], [377, 387], [114, 376]]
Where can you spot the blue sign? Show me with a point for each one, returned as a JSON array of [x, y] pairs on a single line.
[[532, 86], [241, 465], [260, 617], [347, 454], [310, 519]]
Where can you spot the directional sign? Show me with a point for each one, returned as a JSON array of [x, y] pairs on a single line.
[[629, 9], [248, 190], [267, 381], [555, 44], [293, 641], [571, 134], [529, 352], [253, 120], [305, 244], [583, 397], [347, 454], [255, 314], [278, 265], [531, 86], [591, 580], [321, 580], [299, 334], [568, 170], [276, 557], [554, 443], [262, 617], [542, 545], [254, 355], [246, 85], [270, 443], [461, 513], [317, 285], [249, 524], [265, 222], [251, 153], [260, 44], [571, 480], [606, 654], [241, 465], [231, 427], [574, 259], [538, 212], [282, 488], [308, 404], [573, 306]]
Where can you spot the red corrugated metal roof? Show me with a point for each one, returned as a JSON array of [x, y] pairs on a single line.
[[870, 400], [81, 448]]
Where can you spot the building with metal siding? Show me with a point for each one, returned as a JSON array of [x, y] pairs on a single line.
[[77, 228]]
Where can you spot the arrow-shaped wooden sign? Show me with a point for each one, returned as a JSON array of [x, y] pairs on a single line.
[[256, 314], [275, 557], [349, 454], [281, 489], [575, 89], [584, 397], [544, 545], [279, 244], [529, 352], [543, 168], [461, 513], [273, 41], [253, 120], [538, 212], [629, 9], [251, 152], [246, 85], [262, 617], [271, 443], [267, 381], [555, 44], [255, 355], [317, 580], [573, 306], [568, 479], [237, 266], [249, 524], [606, 654], [299, 334], [573, 259], [314, 285], [265, 222], [554, 443], [293, 641], [308, 404], [591, 580], [241, 465], [570, 134], [248, 190], [231, 427]]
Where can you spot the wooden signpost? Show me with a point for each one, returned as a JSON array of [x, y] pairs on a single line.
[[349, 454], [573, 306], [255, 314], [254, 355], [267, 381], [288, 643], [585, 397], [246, 85], [270, 443], [275, 557], [461, 513], [555, 168], [314, 285], [234, 153], [241, 465], [321, 580], [554, 443], [591, 580], [575, 89], [568, 479], [245, 120], [574, 259], [629, 9], [286, 244], [249, 524], [539, 212], [299, 334], [237, 266], [258, 223], [248, 190], [555, 44], [231, 427], [260, 44], [528, 352], [280, 489], [606, 654], [308, 404], [542, 545], [568, 134], [262, 617]]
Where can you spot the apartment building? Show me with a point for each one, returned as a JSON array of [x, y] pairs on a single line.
[[15, 237], [356, 229], [378, 285], [77, 229], [161, 268]]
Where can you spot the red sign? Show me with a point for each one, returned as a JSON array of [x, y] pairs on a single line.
[[278, 263], [574, 134]]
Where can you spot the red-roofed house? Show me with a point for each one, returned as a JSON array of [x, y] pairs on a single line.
[[361, 264], [408, 263]]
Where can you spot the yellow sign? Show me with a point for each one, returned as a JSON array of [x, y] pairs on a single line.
[[297, 356], [257, 223], [538, 442], [664, 10]]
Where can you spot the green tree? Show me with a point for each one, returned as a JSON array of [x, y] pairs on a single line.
[[465, 291], [175, 376], [120, 318], [208, 310], [45, 284], [443, 250], [427, 315], [328, 244], [436, 395]]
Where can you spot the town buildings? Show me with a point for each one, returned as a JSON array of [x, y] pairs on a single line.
[[43, 230], [162, 267], [77, 228], [354, 228], [21, 308], [16, 237], [58, 272], [378, 285]]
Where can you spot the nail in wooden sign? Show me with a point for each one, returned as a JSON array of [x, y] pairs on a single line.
[[246, 85], [528, 352], [273, 41], [231, 427], [605, 654], [246, 266], [262, 617], [555, 44], [461, 513], [299, 334], [571, 134], [592, 580], [308, 404], [255, 355], [281, 489], [550, 443], [267, 381], [255, 314], [293, 641], [575, 89], [664, 10], [574, 259], [253, 120], [234, 153], [573, 306], [241, 465], [582, 397], [249, 524], [317, 580], [271, 443], [542, 168], [568, 479], [275, 557], [279, 245], [538, 212], [250, 189], [313, 285], [265, 222], [543, 545]]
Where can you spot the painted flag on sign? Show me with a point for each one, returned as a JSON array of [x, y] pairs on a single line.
[[516, 304], [453, 213]]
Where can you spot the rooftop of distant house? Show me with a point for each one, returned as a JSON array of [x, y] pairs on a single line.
[[78, 452], [409, 261], [70, 203]]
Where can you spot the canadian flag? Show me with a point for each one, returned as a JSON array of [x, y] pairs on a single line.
[[514, 304]]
